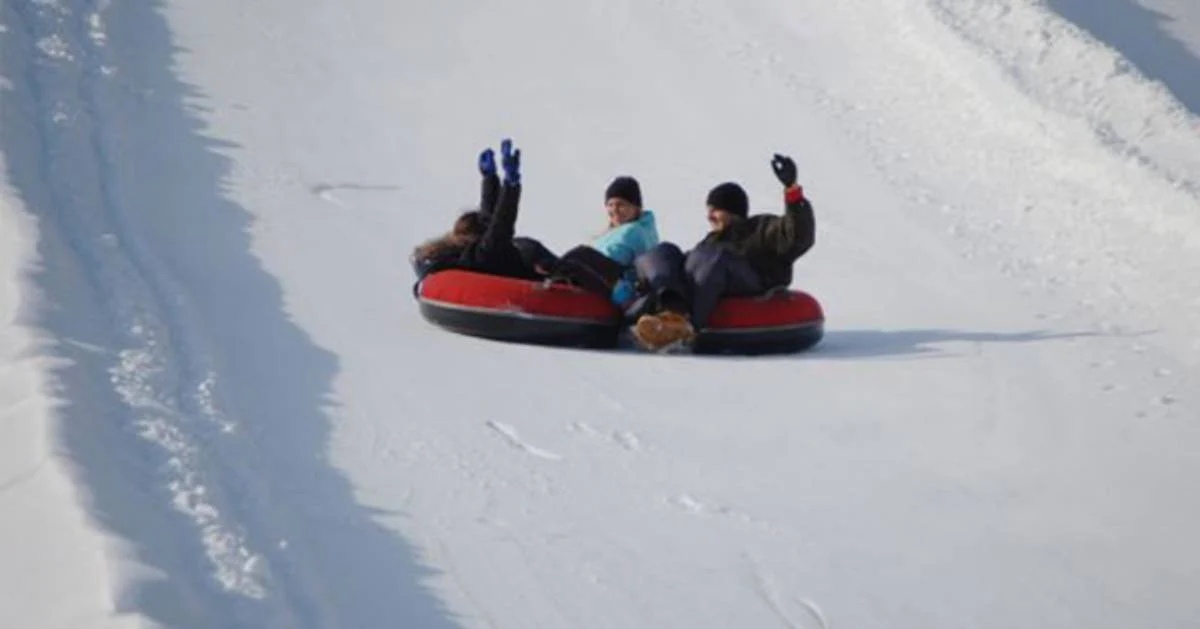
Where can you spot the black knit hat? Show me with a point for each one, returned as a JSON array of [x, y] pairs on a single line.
[[626, 188], [730, 197]]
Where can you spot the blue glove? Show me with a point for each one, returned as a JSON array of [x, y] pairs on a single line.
[[487, 163], [623, 292], [511, 160]]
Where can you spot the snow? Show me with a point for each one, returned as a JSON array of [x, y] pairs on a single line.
[[54, 571], [1161, 38], [222, 407]]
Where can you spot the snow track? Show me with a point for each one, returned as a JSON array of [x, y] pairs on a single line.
[[199, 502], [163, 389]]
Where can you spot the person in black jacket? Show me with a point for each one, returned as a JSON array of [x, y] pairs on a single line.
[[482, 240], [741, 255]]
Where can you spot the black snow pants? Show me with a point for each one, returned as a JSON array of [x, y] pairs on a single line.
[[534, 253], [693, 283], [582, 266]]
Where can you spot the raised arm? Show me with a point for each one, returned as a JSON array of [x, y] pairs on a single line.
[[793, 233]]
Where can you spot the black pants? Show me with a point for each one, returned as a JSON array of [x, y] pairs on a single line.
[[693, 283], [582, 266], [535, 254]]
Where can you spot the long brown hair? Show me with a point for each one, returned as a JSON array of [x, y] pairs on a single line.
[[467, 229]]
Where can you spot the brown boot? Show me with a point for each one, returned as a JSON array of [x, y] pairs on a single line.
[[660, 331]]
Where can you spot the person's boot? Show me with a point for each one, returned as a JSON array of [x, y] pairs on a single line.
[[663, 331]]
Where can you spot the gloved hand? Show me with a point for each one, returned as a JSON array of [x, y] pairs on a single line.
[[511, 161], [623, 293], [487, 163], [785, 170]]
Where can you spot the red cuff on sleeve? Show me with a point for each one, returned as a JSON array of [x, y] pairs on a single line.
[[794, 194]]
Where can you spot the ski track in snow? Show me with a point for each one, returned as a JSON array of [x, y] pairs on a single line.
[[209, 525], [161, 373]]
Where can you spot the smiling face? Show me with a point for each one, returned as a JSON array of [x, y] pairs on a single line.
[[719, 220], [621, 211]]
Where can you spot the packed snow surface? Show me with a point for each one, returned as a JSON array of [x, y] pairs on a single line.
[[222, 408]]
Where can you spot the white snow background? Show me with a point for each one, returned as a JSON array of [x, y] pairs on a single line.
[[220, 407]]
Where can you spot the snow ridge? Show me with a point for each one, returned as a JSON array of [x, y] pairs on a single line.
[[1066, 70], [160, 373], [194, 411]]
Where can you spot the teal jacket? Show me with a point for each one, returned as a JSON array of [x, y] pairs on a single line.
[[623, 244]]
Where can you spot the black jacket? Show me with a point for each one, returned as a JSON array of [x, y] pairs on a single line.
[[770, 243], [493, 252]]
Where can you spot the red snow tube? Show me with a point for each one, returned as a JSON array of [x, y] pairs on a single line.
[[508, 309], [780, 321]]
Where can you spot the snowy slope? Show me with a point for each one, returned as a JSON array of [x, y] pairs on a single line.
[[998, 430], [1160, 38], [54, 566]]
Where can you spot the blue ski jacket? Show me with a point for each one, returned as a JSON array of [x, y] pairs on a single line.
[[623, 244]]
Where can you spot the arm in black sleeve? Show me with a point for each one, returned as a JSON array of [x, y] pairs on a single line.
[[792, 234], [488, 196]]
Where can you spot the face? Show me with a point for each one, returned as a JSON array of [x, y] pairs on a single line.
[[620, 211], [719, 220]]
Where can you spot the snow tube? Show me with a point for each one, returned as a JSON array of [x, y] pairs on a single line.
[[781, 321], [521, 311]]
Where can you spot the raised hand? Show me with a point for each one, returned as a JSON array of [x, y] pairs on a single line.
[[785, 170], [511, 161], [487, 162]]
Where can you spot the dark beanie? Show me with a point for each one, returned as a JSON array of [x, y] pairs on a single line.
[[626, 188], [730, 197]]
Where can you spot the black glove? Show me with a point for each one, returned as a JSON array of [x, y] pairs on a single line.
[[785, 170]]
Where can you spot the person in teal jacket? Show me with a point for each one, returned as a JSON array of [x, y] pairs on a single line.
[[632, 231], [631, 228], [605, 265]]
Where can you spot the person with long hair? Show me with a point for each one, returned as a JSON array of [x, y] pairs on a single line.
[[481, 240]]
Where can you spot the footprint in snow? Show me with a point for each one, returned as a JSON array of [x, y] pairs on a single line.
[[692, 505], [1166, 400], [510, 435], [624, 438]]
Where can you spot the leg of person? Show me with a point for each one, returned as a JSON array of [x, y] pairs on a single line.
[[714, 272], [662, 316], [590, 269], [661, 274], [535, 254], [495, 252]]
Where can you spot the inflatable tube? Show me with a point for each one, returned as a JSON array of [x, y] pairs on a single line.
[[515, 310], [781, 321]]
